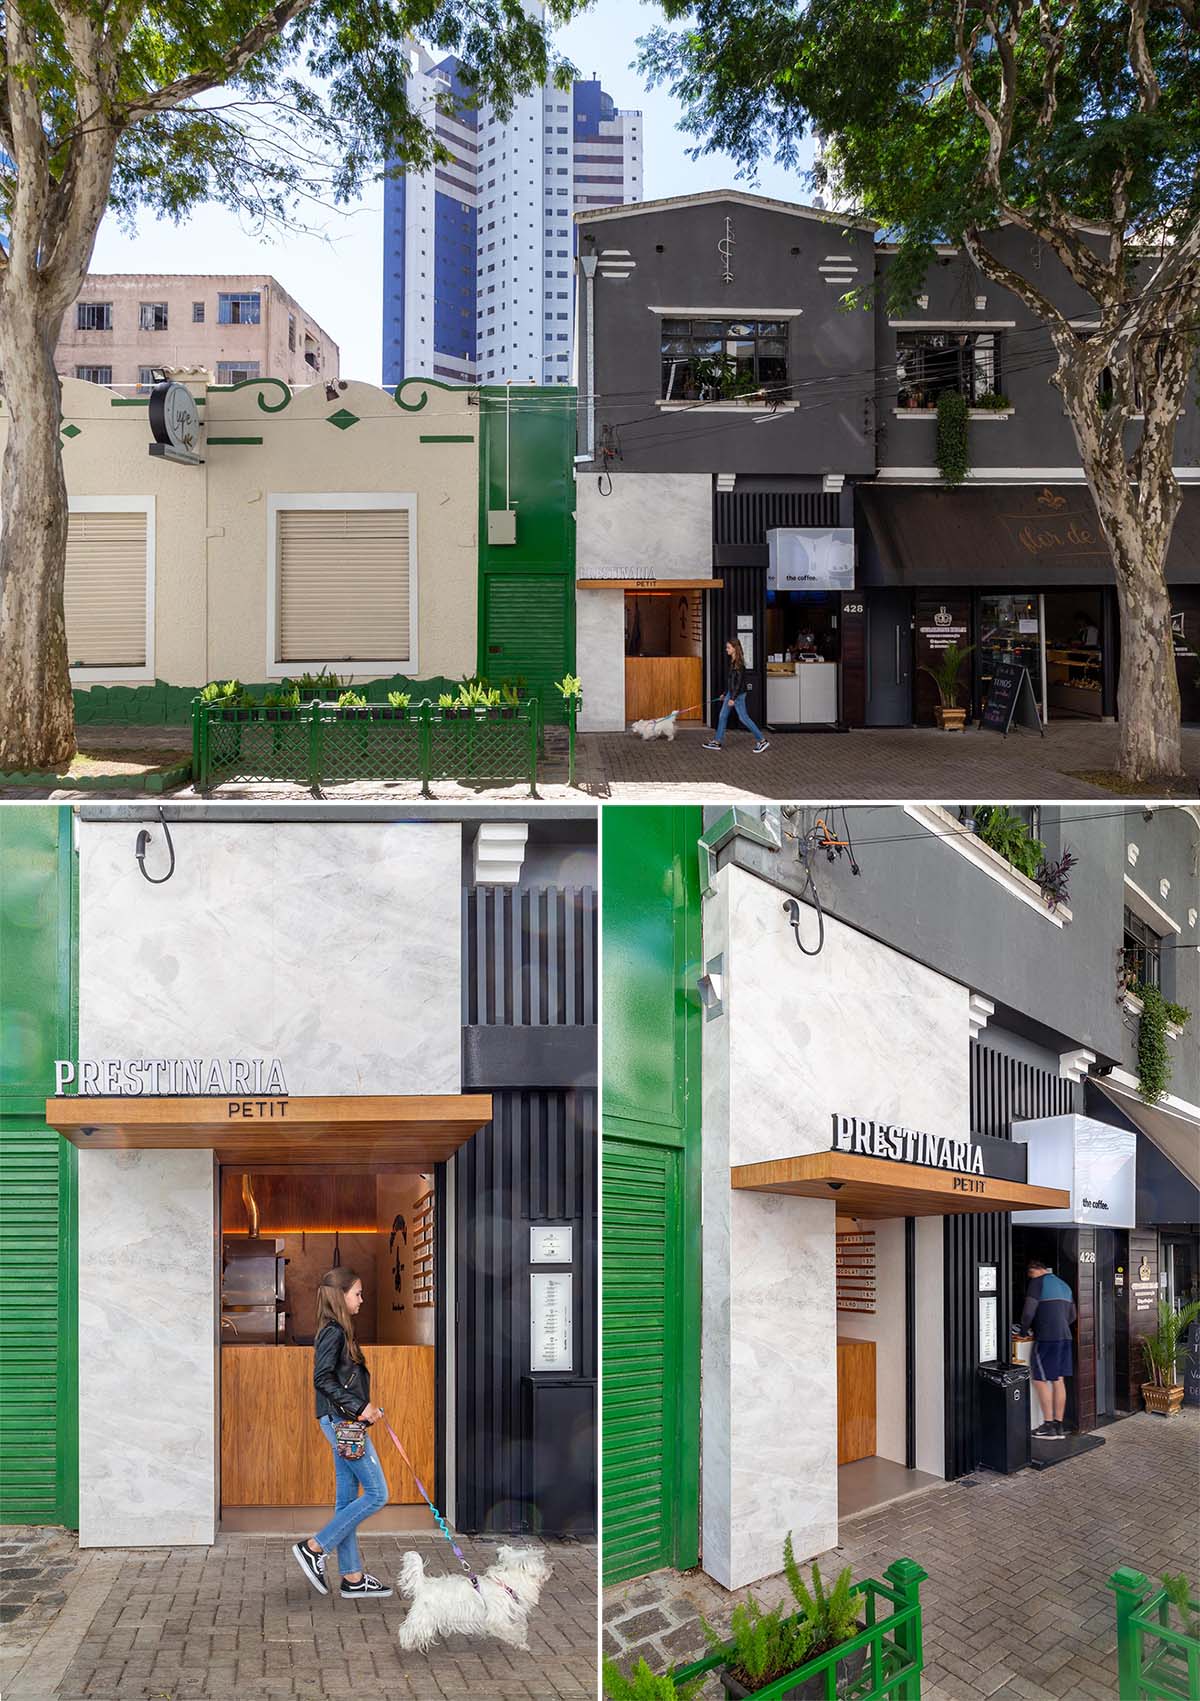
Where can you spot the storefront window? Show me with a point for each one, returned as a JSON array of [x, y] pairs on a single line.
[[803, 626], [1142, 946], [711, 360], [1074, 653], [928, 362], [1009, 631]]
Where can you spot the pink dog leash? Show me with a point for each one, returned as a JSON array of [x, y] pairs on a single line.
[[441, 1522]]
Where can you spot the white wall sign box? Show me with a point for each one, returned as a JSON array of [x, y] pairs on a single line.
[[550, 1306], [1095, 1162], [551, 1245], [810, 558]]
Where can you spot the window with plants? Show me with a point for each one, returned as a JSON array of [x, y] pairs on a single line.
[[1158, 1014], [930, 362], [1142, 948], [1012, 836], [712, 360]]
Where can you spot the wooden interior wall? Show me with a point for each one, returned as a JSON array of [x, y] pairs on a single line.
[[289, 1203], [272, 1450], [855, 1401]]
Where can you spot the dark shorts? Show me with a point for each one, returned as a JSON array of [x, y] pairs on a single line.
[[1050, 1360]]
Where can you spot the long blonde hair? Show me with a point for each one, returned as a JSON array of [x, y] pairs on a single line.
[[332, 1307]]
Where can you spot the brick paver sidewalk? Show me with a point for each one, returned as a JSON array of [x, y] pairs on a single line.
[[238, 1622], [1017, 1605]]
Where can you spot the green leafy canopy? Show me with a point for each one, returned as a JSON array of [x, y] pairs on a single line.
[[271, 111]]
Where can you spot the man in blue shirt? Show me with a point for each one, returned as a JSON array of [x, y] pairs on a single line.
[[1048, 1315]]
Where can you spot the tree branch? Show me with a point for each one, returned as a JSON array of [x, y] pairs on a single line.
[[267, 30]]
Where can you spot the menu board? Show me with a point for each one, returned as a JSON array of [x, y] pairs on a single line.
[[1011, 700], [550, 1306], [856, 1271]]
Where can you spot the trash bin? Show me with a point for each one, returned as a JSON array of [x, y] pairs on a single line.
[[1004, 1416]]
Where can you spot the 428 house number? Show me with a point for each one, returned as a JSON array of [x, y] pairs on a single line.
[[853, 608], [1087, 1257]]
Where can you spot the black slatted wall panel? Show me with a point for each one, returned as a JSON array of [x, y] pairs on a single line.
[[529, 960], [746, 516], [1004, 1090]]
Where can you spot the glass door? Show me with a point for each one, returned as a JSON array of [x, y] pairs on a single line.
[[1010, 630]]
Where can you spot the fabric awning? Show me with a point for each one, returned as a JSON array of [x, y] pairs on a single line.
[[1171, 1124], [875, 1187], [263, 1130], [1022, 535]]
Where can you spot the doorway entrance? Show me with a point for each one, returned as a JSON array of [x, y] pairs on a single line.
[[664, 654], [889, 658], [278, 1232]]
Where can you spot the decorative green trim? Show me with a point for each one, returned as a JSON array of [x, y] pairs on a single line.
[[144, 401], [210, 441], [70, 431], [152, 780], [245, 383], [466, 439], [343, 419], [429, 384]]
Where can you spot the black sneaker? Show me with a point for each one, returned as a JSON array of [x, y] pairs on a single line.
[[1061, 1432], [1046, 1431], [313, 1566], [763, 744], [711, 745], [366, 1585]]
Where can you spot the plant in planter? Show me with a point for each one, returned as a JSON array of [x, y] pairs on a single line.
[[1153, 1058], [397, 701], [448, 704], [949, 716], [1180, 1595], [321, 686], [762, 1646], [355, 704], [1054, 878], [1165, 1353], [1003, 829], [951, 457], [569, 686], [644, 1685], [510, 698], [281, 705], [830, 1617], [993, 401]]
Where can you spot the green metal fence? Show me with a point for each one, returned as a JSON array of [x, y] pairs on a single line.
[[891, 1641], [1154, 1661], [319, 744]]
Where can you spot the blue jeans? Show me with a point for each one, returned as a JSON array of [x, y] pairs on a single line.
[[738, 703], [351, 1507]]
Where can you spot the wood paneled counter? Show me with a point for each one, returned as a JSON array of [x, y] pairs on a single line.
[[272, 1450], [654, 685], [855, 1400]]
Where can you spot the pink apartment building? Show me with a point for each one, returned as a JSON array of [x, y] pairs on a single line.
[[127, 325]]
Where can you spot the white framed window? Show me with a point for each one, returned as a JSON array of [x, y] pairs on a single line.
[[341, 582], [108, 590]]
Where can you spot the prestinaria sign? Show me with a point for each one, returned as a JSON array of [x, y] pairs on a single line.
[[170, 1077], [905, 1145]]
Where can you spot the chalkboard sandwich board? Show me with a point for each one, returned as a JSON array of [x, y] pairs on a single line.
[[1011, 700]]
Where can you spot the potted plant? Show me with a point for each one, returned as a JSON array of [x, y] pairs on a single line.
[[397, 707], [1165, 1354], [569, 687], [320, 687], [449, 705], [948, 715], [764, 1647], [510, 699], [993, 401], [644, 1685], [281, 705], [352, 705]]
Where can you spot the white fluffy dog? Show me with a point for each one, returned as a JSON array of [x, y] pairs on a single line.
[[664, 727], [442, 1606]]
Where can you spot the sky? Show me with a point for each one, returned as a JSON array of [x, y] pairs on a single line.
[[337, 275]]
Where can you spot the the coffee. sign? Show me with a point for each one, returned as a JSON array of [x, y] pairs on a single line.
[[897, 1144], [169, 1077]]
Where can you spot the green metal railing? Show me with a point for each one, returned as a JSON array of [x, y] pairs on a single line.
[[319, 744], [891, 1640], [1154, 1661]]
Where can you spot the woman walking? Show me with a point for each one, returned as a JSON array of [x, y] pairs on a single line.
[[343, 1385], [735, 699]]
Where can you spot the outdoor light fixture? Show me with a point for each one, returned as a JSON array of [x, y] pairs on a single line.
[[712, 987], [143, 841]]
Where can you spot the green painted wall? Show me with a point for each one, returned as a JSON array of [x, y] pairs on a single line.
[[527, 589], [39, 1441], [650, 910]]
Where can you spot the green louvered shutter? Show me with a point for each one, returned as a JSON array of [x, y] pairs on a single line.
[[528, 632], [32, 1179], [641, 1372]]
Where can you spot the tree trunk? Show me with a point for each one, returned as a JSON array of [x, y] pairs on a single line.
[[37, 715]]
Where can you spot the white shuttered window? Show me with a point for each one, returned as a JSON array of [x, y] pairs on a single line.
[[105, 590], [345, 582]]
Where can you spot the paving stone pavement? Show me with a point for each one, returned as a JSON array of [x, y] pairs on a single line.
[[1017, 1606], [238, 1622], [879, 763]]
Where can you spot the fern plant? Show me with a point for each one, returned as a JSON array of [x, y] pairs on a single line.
[[829, 1616], [762, 1645], [1006, 833], [1180, 1597], [644, 1685]]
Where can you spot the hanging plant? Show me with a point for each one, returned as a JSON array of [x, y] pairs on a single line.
[[1153, 1062], [952, 460]]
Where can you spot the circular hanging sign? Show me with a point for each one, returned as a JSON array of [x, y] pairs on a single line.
[[174, 417]]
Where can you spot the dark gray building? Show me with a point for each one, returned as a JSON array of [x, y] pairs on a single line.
[[757, 461]]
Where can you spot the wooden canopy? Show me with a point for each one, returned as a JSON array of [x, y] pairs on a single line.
[[876, 1187], [263, 1131]]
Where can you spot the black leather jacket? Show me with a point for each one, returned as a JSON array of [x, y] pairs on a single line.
[[735, 682], [343, 1386]]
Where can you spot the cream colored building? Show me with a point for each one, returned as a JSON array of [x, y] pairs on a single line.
[[316, 533], [126, 324]]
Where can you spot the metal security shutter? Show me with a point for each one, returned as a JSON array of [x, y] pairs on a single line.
[[30, 1289], [104, 592], [641, 1211], [528, 632], [344, 584]]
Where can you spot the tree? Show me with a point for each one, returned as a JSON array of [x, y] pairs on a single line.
[[124, 104], [1077, 121]]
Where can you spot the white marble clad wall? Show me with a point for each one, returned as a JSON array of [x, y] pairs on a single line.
[[649, 525], [860, 1030], [334, 946], [147, 1304], [600, 659]]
